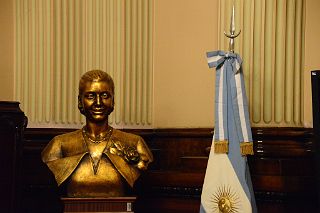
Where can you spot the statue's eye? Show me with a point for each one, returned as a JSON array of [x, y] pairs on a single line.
[[105, 95], [90, 96]]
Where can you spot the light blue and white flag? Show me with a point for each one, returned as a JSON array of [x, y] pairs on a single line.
[[227, 185]]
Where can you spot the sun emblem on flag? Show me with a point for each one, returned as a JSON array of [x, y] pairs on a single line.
[[224, 200]]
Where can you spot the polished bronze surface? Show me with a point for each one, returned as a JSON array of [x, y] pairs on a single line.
[[97, 161]]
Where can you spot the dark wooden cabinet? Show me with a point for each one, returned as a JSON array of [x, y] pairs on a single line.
[[12, 123]]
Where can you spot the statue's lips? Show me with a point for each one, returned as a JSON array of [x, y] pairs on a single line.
[[98, 112]]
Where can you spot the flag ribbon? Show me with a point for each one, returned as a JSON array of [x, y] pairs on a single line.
[[229, 81]]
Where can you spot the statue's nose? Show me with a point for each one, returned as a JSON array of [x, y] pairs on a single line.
[[98, 100]]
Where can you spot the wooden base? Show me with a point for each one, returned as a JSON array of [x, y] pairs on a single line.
[[101, 205]]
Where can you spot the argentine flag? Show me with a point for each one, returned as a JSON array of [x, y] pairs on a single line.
[[227, 185]]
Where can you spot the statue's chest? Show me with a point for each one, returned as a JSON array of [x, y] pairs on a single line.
[[106, 181], [95, 151]]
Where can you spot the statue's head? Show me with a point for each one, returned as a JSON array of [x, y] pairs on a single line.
[[96, 95]]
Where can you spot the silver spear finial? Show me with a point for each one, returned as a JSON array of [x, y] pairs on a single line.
[[232, 34]]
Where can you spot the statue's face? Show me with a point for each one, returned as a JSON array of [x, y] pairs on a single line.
[[97, 101]]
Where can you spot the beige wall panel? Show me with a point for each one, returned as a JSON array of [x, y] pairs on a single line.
[[183, 84], [312, 55], [83, 35], [6, 50]]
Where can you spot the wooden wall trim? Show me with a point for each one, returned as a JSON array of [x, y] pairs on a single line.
[[266, 131]]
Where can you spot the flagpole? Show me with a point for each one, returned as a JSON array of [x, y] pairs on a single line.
[[227, 185], [232, 35]]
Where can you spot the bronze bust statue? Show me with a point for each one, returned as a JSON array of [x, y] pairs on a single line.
[[96, 161]]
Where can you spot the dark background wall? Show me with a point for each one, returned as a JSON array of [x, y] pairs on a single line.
[[282, 170]]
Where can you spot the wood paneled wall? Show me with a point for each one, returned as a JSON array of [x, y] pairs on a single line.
[[282, 170]]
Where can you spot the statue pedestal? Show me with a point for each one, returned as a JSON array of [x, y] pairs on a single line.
[[98, 205]]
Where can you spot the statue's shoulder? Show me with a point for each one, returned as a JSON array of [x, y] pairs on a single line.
[[125, 136], [70, 136], [62, 144]]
